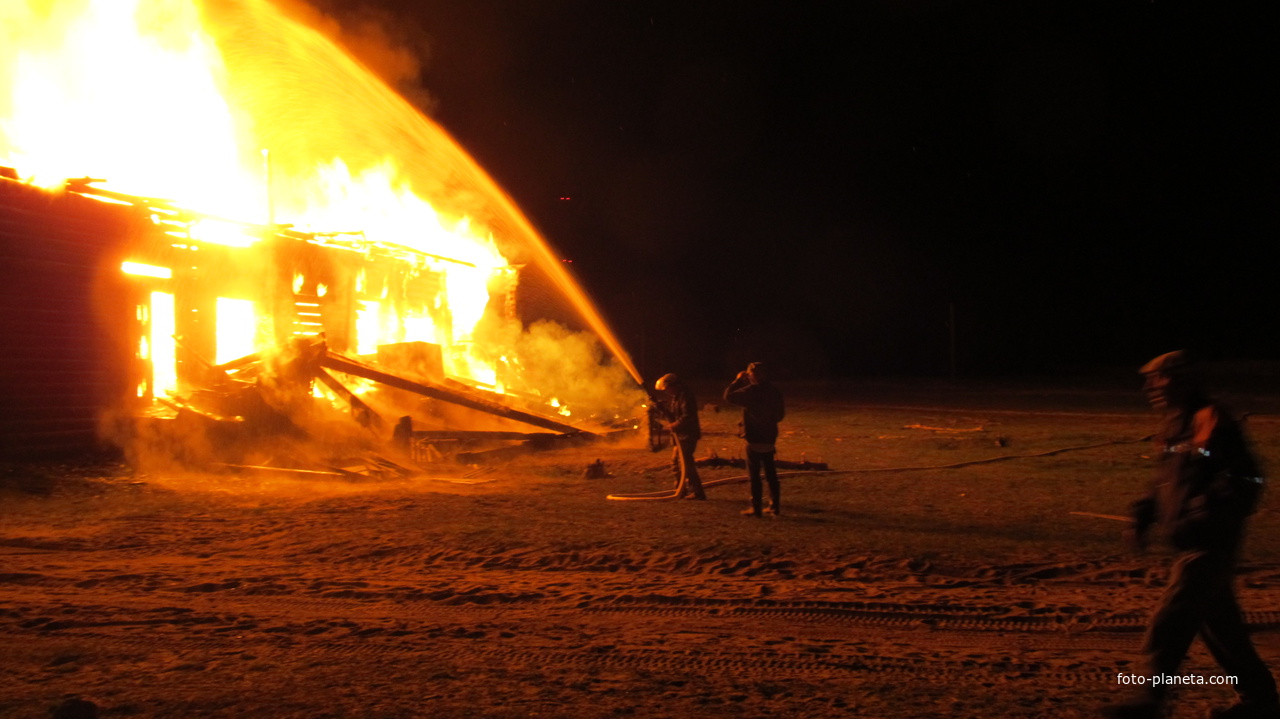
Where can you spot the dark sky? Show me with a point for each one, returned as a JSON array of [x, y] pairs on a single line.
[[1082, 184]]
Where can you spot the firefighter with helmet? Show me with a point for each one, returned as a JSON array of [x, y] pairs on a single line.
[[680, 411]]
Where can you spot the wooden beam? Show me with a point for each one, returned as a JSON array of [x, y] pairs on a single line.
[[476, 434], [337, 362], [540, 443], [363, 413]]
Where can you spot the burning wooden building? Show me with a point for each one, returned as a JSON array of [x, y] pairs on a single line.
[[129, 319], [382, 280]]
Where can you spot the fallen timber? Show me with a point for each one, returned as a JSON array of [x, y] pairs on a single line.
[[539, 443], [474, 434], [333, 361], [361, 467], [363, 413]]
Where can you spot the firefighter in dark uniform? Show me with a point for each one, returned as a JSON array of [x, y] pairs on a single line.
[[1207, 484], [762, 410], [681, 418]]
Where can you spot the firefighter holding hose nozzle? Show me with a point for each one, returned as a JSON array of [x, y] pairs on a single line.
[[679, 410]]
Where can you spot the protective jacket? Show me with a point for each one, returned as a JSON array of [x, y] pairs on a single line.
[[682, 413], [1207, 481]]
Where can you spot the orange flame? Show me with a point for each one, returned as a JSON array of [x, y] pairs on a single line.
[[126, 90], [184, 99]]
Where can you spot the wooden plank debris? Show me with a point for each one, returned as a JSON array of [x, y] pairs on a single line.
[[363, 413], [334, 361], [251, 406]]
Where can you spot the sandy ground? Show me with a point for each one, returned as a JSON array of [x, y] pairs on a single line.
[[522, 592]]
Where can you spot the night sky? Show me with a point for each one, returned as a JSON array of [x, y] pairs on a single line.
[[824, 185]]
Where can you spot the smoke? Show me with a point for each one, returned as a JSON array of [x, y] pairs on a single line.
[[392, 45], [557, 363]]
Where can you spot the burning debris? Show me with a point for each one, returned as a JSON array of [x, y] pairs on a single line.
[[284, 414]]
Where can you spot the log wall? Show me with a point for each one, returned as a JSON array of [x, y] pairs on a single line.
[[61, 295]]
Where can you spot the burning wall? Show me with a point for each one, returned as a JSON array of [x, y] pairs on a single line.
[[302, 196]]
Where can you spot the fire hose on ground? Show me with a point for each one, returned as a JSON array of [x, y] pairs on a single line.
[[674, 494]]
